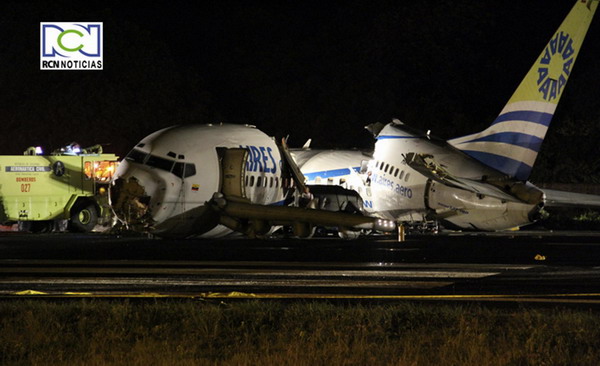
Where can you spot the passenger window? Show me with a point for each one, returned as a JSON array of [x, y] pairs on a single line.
[[252, 181], [247, 177], [386, 168], [406, 177], [401, 175], [258, 181], [271, 183], [276, 182], [396, 172]]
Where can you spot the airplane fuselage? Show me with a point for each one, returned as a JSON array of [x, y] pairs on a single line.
[[177, 170]]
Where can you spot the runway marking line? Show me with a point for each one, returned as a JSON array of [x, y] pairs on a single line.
[[594, 298]]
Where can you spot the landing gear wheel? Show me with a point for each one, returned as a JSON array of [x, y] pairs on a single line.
[[83, 218]]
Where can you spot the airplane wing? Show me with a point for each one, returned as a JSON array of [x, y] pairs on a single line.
[[556, 198], [235, 211]]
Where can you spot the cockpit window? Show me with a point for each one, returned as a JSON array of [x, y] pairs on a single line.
[[160, 163], [178, 169], [136, 156], [184, 170], [190, 169]]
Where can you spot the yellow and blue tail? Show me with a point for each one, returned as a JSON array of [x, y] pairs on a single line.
[[512, 142]]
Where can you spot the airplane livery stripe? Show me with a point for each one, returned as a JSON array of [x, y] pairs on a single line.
[[513, 152], [330, 173], [524, 127], [506, 165], [388, 137], [529, 116], [512, 138]]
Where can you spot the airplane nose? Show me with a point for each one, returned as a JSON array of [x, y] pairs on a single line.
[[130, 203]]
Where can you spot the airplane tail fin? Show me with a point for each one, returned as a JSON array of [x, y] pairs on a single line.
[[512, 142]]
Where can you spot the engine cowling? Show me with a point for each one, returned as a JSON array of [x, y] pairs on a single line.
[[468, 210]]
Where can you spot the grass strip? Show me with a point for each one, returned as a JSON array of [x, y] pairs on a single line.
[[188, 332]]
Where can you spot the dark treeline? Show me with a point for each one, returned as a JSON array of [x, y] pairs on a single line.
[[312, 69]]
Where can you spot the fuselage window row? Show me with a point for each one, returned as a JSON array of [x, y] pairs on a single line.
[[270, 182]]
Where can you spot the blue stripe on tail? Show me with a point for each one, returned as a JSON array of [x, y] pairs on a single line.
[[506, 165], [513, 138], [529, 116]]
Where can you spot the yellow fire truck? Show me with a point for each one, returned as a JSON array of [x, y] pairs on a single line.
[[69, 187]]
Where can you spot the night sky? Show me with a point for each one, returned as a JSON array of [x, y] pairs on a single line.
[[319, 69]]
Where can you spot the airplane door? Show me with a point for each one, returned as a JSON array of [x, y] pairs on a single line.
[[233, 171]]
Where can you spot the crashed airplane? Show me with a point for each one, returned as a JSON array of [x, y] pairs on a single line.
[[212, 180]]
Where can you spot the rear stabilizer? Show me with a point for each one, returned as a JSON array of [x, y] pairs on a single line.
[[512, 142]]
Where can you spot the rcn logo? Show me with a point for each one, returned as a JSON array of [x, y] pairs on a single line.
[[71, 46]]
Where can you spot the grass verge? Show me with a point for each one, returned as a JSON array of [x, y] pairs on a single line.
[[94, 332]]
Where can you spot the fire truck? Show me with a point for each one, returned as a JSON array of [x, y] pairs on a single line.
[[67, 189]]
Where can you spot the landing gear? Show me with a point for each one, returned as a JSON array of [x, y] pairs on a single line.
[[421, 227]]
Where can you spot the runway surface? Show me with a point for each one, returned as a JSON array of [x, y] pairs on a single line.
[[531, 267]]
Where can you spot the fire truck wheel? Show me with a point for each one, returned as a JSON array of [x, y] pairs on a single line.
[[83, 218]]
